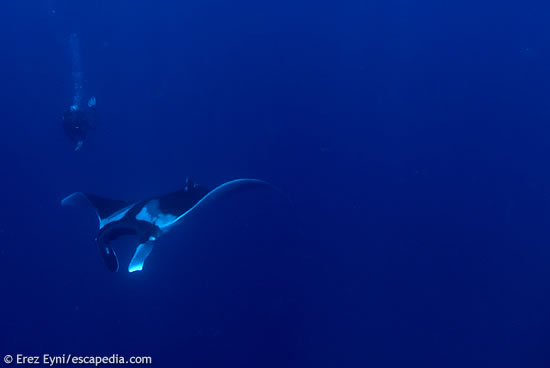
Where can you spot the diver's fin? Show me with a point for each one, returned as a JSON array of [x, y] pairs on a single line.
[[141, 254], [104, 207], [109, 257]]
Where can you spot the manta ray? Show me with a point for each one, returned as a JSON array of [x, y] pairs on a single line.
[[151, 218]]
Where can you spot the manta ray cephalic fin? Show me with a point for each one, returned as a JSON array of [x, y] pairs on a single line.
[[141, 254]]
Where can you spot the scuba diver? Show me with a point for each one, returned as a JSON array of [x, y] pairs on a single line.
[[76, 121]]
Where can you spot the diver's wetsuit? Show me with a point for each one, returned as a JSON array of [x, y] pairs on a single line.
[[75, 125]]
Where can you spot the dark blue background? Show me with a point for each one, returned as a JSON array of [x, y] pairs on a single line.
[[411, 137]]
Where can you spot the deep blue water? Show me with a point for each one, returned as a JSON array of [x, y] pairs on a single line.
[[412, 138]]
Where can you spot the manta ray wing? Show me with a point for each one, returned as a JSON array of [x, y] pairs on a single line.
[[222, 191], [105, 208]]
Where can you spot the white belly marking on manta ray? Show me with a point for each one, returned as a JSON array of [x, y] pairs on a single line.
[[151, 213]]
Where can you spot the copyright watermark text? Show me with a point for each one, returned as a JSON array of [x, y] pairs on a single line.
[[66, 359]]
